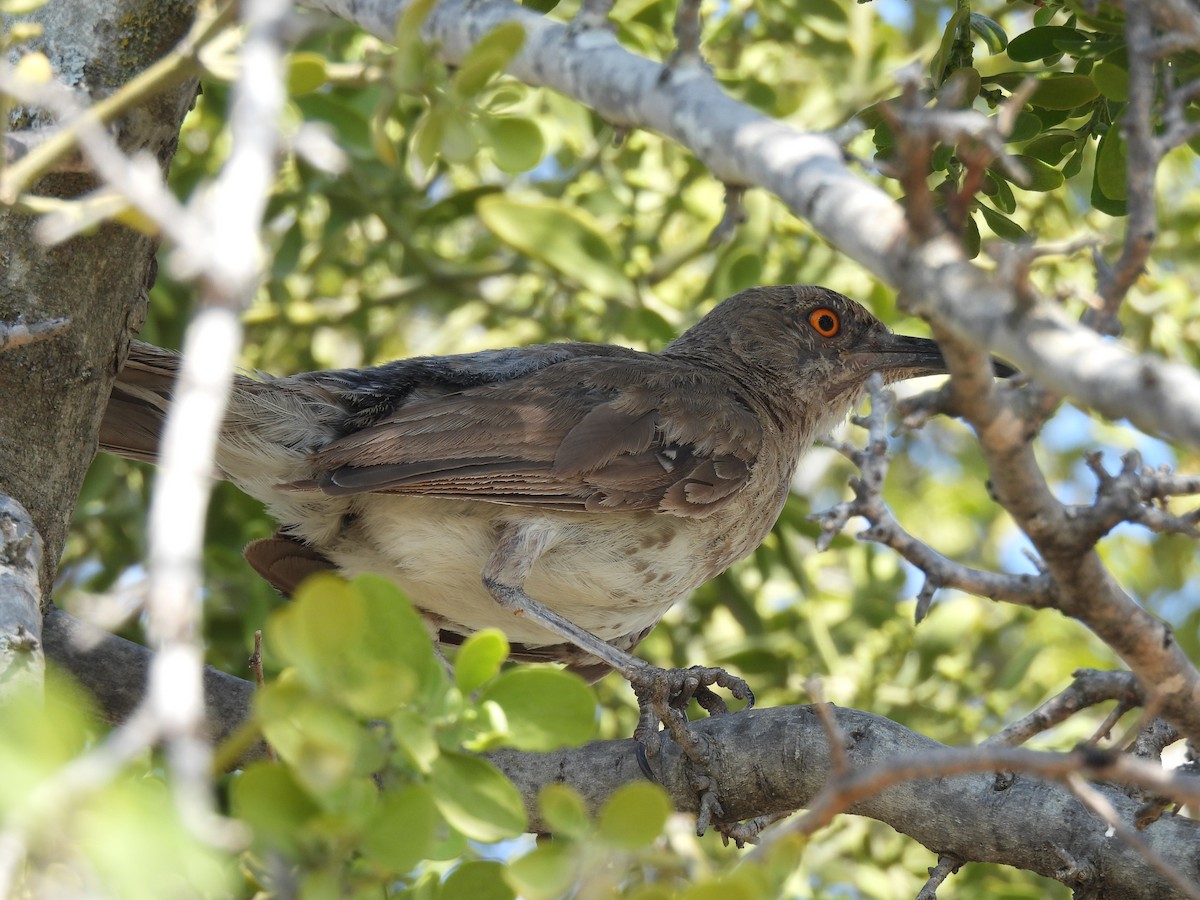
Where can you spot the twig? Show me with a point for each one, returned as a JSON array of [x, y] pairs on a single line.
[[230, 217], [1036, 591], [171, 69], [733, 216], [833, 732], [687, 39], [255, 661], [1142, 158], [948, 864], [1100, 805], [1088, 688]]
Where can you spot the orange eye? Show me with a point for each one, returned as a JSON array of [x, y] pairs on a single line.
[[825, 322]]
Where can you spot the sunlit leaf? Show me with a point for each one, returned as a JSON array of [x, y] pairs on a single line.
[[561, 236], [635, 815], [545, 708], [475, 798]]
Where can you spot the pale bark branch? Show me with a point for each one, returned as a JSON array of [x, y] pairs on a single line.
[[22, 661]]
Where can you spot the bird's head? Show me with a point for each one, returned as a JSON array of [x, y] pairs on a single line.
[[807, 347]]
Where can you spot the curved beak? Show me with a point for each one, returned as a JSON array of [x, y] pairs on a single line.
[[901, 356]]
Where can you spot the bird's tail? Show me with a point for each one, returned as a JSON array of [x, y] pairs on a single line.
[[137, 407]]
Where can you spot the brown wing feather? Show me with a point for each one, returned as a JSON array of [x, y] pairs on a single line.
[[570, 437]]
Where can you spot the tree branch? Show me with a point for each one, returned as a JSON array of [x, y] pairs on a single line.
[[773, 761]]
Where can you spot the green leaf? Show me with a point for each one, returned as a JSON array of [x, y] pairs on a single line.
[[634, 816], [1041, 176], [997, 187], [970, 238], [458, 143], [414, 734], [516, 142], [476, 880], [362, 643], [1111, 172], [941, 59], [562, 236], [542, 6], [267, 798], [401, 832], [1074, 165], [989, 29], [1026, 126], [1052, 147], [479, 659], [475, 798], [324, 745], [1002, 225], [563, 811], [488, 57], [546, 708], [1112, 80], [546, 873], [1064, 92], [306, 72], [1039, 43], [20, 7]]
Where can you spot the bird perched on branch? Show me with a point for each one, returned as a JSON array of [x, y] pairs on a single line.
[[568, 494]]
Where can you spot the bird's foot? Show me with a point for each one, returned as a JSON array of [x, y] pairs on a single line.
[[663, 696]]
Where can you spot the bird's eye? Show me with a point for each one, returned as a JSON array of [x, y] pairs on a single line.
[[825, 322]]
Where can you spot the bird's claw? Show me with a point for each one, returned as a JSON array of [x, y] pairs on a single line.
[[663, 696]]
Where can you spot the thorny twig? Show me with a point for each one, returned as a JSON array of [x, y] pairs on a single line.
[[1027, 590]]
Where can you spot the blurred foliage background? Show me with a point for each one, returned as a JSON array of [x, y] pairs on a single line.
[[476, 212]]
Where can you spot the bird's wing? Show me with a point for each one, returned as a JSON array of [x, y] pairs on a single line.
[[587, 434]]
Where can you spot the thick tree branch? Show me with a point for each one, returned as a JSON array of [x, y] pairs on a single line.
[[773, 761]]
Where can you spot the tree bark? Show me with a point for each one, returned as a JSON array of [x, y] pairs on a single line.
[[53, 392]]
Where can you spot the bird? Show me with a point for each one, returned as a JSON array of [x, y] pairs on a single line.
[[568, 494]]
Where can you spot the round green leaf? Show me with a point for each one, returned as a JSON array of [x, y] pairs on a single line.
[[488, 57], [458, 143], [563, 811], [546, 708], [1026, 126], [401, 832], [306, 72], [476, 880], [516, 143], [475, 798], [635, 815], [1064, 92], [545, 874], [268, 799], [562, 236], [479, 659]]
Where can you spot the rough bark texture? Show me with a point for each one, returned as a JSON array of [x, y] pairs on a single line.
[[52, 393], [21, 659]]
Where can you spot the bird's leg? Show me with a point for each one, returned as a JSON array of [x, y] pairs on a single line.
[[663, 694]]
